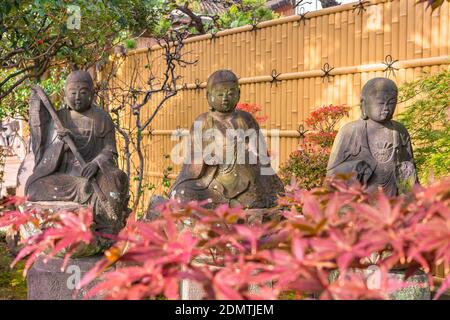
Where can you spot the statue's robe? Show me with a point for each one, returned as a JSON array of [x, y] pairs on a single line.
[[57, 173], [351, 146], [232, 182]]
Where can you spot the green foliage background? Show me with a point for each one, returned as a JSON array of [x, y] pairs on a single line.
[[16, 104], [257, 11], [427, 118]]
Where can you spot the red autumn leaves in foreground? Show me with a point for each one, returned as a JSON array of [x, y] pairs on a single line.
[[322, 230], [62, 231]]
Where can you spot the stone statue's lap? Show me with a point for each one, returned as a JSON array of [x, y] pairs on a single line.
[[60, 187]]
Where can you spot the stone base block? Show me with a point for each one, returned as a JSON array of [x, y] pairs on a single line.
[[416, 286], [46, 281], [191, 290]]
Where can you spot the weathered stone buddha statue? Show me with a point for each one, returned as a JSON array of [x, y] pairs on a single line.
[[376, 149], [58, 175], [227, 162]]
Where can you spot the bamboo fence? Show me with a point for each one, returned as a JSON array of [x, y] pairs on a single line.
[[294, 64]]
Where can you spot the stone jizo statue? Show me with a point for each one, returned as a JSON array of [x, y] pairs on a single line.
[[58, 175], [375, 149], [237, 171]]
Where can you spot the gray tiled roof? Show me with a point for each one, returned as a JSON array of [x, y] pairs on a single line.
[[275, 4], [212, 7]]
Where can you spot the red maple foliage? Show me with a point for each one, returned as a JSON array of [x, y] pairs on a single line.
[[60, 232], [338, 228], [253, 109], [323, 121], [308, 164]]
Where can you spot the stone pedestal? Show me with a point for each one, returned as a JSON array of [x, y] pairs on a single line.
[[46, 281], [416, 286], [191, 290]]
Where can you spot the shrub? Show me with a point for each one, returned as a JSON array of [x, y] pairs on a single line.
[[253, 109], [248, 12], [322, 231], [308, 164], [323, 123], [427, 119]]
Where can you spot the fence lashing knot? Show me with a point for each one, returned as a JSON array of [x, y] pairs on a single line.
[[361, 6], [178, 131], [302, 131], [150, 131], [254, 24], [326, 72], [302, 15], [275, 76], [197, 84], [184, 86], [389, 62]]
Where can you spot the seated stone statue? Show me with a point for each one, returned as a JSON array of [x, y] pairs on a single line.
[[244, 175], [58, 175], [376, 149]]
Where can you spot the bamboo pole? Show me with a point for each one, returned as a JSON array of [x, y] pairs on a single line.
[[185, 132], [411, 63]]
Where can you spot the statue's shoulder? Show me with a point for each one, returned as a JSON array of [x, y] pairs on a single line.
[[202, 117], [102, 120], [352, 126], [100, 113], [246, 116], [243, 114], [403, 132], [201, 121], [399, 126]]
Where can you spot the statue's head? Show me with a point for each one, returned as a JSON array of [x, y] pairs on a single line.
[[222, 91], [79, 90], [378, 99]]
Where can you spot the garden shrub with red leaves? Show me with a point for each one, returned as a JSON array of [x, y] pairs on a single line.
[[322, 123], [322, 231], [308, 164], [253, 109], [63, 232]]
